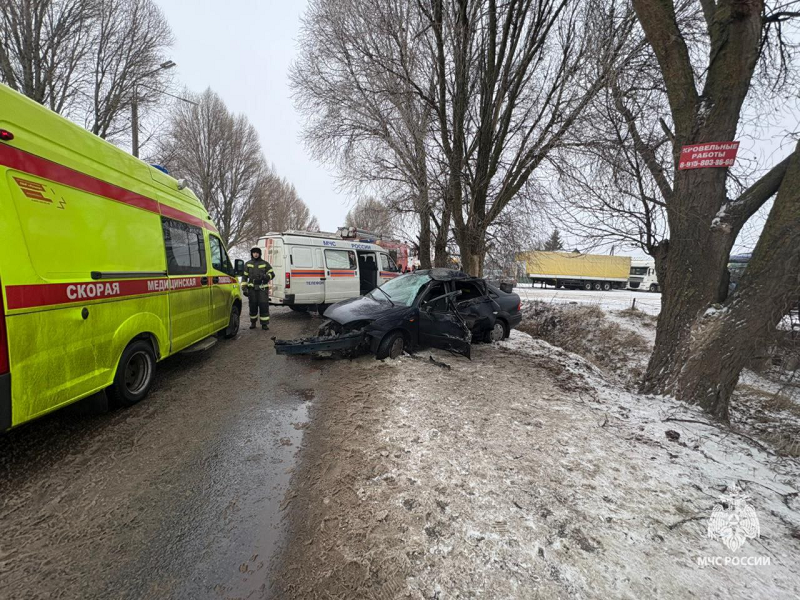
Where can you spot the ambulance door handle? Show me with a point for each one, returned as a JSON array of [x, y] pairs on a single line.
[[322, 278], [204, 280]]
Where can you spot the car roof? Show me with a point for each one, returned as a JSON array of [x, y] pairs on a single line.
[[446, 274]]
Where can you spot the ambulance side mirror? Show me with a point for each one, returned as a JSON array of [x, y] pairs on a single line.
[[238, 268]]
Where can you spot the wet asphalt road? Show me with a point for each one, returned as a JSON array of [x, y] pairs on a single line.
[[177, 497]]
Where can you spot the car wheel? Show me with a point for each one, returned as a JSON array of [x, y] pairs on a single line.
[[497, 333], [233, 323], [587, 286], [135, 373], [391, 346], [606, 286], [597, 287], [653, 287]]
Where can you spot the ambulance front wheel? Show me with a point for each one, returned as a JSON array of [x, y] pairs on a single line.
[[135, 373]]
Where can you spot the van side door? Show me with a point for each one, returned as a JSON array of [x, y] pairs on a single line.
[[189, 298], [308, 280], [388, 269], [341, 272]]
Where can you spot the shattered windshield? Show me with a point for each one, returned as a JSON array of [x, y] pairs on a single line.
[[401, 290]]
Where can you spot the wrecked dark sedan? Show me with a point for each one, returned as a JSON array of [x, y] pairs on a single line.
[[440, 308]]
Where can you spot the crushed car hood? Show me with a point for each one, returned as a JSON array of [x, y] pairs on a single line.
[[361, 309]]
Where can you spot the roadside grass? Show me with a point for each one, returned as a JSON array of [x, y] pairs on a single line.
[[587, 331]]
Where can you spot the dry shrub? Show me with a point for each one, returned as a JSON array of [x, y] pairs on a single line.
[[634, 314], [585, 330]]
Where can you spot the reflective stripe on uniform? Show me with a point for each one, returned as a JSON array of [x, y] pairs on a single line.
[[264, 318], [250, 265], [261, 266]]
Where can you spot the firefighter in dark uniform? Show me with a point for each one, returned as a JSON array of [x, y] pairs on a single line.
[[257, 275]]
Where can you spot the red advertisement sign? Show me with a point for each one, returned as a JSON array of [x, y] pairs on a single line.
[[710, 154]]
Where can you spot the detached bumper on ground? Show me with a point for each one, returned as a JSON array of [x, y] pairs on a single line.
[[313, 345]]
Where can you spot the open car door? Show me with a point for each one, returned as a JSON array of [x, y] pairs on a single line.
[[442, 326], [478, 309]]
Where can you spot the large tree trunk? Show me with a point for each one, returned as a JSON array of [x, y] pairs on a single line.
[[696, 261], [440, 256], [424, 208], [722, 341], [472, 245], [689, 272]]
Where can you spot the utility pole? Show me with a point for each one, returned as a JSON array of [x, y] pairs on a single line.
[[135, 106]]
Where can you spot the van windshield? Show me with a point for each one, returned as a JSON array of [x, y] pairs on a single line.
[[402, 290]]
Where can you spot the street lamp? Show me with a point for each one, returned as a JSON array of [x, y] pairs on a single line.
[[135, 106]]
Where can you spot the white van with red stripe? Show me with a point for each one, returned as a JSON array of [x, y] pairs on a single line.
[[315, 270], [106, 267]]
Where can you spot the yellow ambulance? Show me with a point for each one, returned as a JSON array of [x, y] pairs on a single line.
[[106, 267]]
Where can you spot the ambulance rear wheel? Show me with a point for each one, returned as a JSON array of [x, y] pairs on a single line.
[[135, 373]]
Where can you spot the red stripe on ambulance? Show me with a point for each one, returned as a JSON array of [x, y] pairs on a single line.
[[50, 294]]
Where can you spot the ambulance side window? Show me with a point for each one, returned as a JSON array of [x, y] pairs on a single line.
[[219, 258], [186, 252]]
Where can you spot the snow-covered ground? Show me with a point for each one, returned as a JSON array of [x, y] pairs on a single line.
[[528, 472], [568, 486], [535, 472], [614, 300]]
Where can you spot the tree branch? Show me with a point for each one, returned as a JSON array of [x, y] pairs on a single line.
[[657, 18], [733, 215]]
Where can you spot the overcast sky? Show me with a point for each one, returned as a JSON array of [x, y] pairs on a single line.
[[242, 49]]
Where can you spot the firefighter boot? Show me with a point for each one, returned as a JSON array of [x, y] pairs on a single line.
[[252, 324]]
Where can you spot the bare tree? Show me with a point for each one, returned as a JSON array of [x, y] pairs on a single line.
[[280, 208], [509, 86], [130, 39], [43, 48], [371, 214], [363, 117], [220, 157], [692, 85]]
